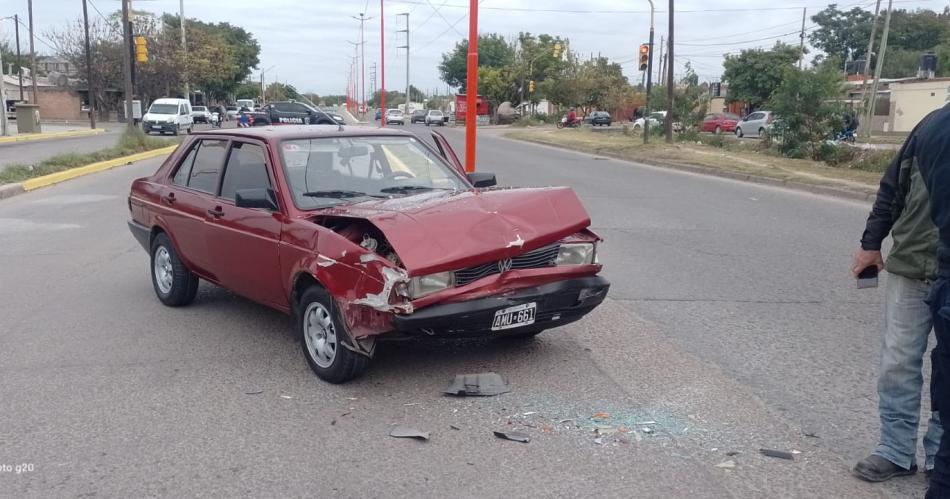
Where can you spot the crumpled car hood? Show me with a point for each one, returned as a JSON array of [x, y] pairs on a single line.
[[440, 230]]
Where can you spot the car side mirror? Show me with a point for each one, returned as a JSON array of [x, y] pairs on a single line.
[[482, 179], [256, 198]]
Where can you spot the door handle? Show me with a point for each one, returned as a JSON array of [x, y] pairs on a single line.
[[169, 198], [217, 212]]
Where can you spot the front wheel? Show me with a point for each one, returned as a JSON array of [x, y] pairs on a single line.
[[174, 284], [322, 333], [739, 132], [718, 130], [560, 125]]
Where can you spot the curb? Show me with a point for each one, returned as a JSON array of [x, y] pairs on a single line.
[[49, 136], [10, 190], [716, 172]]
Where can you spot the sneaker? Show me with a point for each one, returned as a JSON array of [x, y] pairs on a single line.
[[875, 468]]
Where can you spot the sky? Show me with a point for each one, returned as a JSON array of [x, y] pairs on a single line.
[[307, 43]]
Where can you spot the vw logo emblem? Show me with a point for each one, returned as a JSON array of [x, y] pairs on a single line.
[[504, 265]]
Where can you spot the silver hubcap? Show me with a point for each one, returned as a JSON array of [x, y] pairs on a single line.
[[320, 335], [164, 276]]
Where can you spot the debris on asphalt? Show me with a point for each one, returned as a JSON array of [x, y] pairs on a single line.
[[599, 441], [810, 434], [413, 403], [407, 432], [352, 398], [778, 453], [254, 392], [600, 415], [647, 423], [454, 427], [286, 397], [528, 413], [647, 430], [333, 422], [728, 465], [515, 436], [478, 385], [733, 453]]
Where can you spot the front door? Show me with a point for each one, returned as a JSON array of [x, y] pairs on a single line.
[[447, 152], [242, 242]]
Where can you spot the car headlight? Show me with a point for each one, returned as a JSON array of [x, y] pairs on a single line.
[[170, 120], [428, 284], [575, 254]]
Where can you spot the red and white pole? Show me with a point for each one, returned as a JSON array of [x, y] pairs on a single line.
[[471, 83], [382, 64]]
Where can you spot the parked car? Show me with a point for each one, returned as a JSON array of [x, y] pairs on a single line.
[[168, 115], [657, 119], [232, 112], [395, 117], [292, 113], [248, 103], [200, 114], [720, 122], [435, 117], [417, 116], [755, 124], [598, 118], [364, 234]]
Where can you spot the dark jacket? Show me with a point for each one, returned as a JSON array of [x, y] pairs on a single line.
[[902, 209], [932, 146]]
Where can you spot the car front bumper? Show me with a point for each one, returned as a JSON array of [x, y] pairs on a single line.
[[558, 303], [141, 233], [159, 127]]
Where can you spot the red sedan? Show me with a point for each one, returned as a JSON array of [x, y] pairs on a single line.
[[362, 234], [720, 122]]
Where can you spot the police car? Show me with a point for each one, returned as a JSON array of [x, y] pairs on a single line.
[[293, 113]]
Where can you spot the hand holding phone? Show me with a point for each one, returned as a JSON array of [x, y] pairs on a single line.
[[867, 278]]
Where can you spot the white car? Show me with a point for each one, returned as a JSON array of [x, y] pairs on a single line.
[[435, 117], [168, 115], [200, 114], [657, 119], [755, 124], [232, 113], [395, 117]]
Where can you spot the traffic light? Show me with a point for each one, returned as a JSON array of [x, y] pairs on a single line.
[[557, 50], [141, 49], [531, 86], [644, 56]]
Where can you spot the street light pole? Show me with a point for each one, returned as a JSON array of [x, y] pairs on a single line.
[[127, 63], [19, 59], [89, 81], [471, 84], [669, 81], [646, 106], [382, 65], [35, 99], [184, 46], [3, 99]]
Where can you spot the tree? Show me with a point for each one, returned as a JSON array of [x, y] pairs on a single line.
[[754, 74], [689, 100], [493, 52], [807, 109], [8, 51], [281, 91], [233, 64], [900, 63], [841, 33], [248, 90]]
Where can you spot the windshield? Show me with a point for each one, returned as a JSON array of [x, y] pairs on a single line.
[[324, 172], [198, 108], [163, 109], [394, 111]]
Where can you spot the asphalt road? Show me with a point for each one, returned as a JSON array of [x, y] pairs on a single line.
[[732, 324]]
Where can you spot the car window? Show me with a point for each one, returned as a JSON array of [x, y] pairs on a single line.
[[207, 166], [730, 116], [709, 117], [298, 108], [162, 109], [755, 116], [184, 169], [246, 169], [281, 106]]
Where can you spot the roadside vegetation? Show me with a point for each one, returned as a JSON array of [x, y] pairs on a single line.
[[131, 142]]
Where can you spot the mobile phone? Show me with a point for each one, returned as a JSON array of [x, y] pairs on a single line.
[[868, 277]]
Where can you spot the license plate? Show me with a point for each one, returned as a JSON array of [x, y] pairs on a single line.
[[521, 315], [156, 127]]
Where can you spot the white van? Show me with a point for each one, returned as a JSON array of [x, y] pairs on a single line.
[[168, 115], [248, 103]]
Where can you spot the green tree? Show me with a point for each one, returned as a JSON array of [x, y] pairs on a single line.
[[8, 51], [248, 90], [493, 52], [842, 34], [900, 63], [281, 91], [809, 114], [754, 74]]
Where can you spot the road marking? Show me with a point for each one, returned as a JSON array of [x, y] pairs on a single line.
[[52, 135], [12, 225], [55, 178]]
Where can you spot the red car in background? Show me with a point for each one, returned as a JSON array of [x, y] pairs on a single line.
[[361, 234], [720, 122]]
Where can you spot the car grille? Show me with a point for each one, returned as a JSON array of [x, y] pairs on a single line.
[[539, 258]]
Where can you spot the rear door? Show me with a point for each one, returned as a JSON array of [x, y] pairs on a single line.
[[242, 242], [447, 152], [188, 197]]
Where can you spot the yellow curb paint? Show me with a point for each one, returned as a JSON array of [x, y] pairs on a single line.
[[53, 135], [79, 171]]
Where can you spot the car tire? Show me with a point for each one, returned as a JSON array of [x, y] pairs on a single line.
[[718, 130], [177, 130], [761, 132], [321, 334], [174, 284], [739, 132]]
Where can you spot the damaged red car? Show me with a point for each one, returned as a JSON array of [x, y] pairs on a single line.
[[364, 234]]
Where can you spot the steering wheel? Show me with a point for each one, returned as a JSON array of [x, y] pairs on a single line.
[[397, 175]]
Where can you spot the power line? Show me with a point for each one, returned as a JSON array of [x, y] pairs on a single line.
[[451, 27], [104, 18], [38, 37], [436, 11], [684, 11]]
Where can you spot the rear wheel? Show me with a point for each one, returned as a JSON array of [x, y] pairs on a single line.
[[739, 132], [718, 130], [174, 284], [761, 132], [322, 333]]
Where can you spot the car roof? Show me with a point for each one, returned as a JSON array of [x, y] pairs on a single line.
[[290, 132]]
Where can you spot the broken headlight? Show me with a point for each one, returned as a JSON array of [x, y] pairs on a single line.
[[575, 254], [428, 284]]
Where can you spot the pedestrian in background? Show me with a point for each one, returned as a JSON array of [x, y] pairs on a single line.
[[902, 208]]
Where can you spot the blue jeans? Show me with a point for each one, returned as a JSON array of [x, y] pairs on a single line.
[[908, 322]]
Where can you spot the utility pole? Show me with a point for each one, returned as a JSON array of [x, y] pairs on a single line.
[[878, 68], [471, 84], [372, 79], [867, 67], [35, 99], [19, 58], [406, 46], [801, 45], [127, 63], [3, 100], [89, 80], [660, 73], [669, 81], [362, 19], [184, 46], [382, 64], [646, 113]]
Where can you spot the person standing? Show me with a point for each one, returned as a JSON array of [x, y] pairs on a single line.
[[902, 208], [932, 148]]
